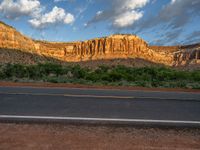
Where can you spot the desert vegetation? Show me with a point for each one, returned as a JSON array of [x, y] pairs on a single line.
[[102, 75]]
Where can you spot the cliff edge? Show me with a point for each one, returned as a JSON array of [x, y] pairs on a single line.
[[112, 47]]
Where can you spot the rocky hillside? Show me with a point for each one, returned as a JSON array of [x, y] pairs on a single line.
[[107, 48]]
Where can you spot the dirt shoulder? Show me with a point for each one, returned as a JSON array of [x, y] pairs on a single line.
[[65, 85], [83, 137]]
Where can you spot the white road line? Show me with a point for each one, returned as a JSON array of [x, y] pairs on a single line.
[[99, 119]]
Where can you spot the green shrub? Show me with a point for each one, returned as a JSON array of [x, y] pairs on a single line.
[[79, 72], [103, 75], [195, 76], [115, 76]]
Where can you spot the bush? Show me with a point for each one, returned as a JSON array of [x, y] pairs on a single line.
[[48, 68], [195, 76], [115, 76], [103, 75], [17, 70], [79, 72]]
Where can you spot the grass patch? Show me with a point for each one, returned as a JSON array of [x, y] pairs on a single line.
[[102, 75]]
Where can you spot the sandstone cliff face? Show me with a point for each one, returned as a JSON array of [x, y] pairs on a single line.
[[182, 55], [112, 47], [187, 56], [10, 38]]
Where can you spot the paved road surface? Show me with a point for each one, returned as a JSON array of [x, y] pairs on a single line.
[[112, 106]]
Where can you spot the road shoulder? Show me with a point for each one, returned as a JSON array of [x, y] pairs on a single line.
[[81, 86]]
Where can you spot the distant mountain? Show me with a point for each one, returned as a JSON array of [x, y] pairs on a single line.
[[114, 47]]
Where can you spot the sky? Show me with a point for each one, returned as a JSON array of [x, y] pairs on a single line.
[[159, 22]]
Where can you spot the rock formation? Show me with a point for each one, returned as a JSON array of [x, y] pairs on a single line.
[[111, 47]]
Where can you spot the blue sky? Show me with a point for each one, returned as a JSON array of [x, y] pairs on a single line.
[[160, 22]]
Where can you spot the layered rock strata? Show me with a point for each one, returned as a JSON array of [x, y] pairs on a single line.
[[111, 47]]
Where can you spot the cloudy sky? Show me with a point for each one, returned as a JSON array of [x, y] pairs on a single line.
[[161, 22]]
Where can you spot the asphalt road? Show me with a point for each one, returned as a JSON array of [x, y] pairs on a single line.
[[95, 105]]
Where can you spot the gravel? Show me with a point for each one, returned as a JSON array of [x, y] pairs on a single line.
[[92, 137]]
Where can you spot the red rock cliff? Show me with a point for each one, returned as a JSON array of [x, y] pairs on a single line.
[[111, 47]]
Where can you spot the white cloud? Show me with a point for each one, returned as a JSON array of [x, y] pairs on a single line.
[[56, 1], [127, 19], [123, 13], [130, 13], [173, 19], [173, 1], [133, 4], [85, 24], [99, 13], [14, 9], [56, 16]]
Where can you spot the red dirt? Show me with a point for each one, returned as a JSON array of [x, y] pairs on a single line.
[[65, 85], [82, 137]]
